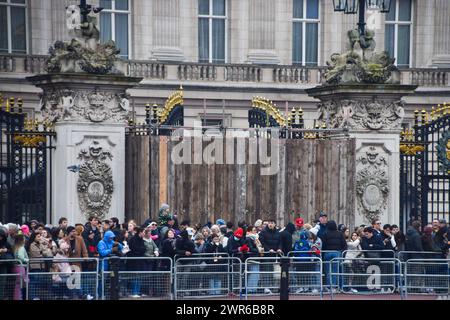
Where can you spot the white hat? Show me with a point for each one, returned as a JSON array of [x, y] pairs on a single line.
[[314, 230]]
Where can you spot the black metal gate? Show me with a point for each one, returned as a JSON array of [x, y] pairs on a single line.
[[25, 162], [425, 167]]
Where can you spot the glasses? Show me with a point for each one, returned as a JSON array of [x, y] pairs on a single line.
[[378, 223]]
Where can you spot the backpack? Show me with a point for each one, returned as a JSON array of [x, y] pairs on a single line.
[[302, 244]]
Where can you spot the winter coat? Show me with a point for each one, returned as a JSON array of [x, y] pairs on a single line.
[[388, 245], [333, 240], [322, 231], [374, 243], [37, 251], [105, 247], [183, 244], [150, 247], [429, 245], [270, 239], [286, 238], [91, 244], [413, 243], [137, 250], [353, 247]]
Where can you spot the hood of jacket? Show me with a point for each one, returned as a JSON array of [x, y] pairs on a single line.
[[411, 232], [331, 225], [109, 236], [290, 227]]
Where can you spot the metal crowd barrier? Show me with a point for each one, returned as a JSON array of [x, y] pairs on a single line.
[[58, 279], [207, 277], [305, 276], [427, 276], [139, 277], [404, 256], [365, 276], [262, 275], [12, 280]]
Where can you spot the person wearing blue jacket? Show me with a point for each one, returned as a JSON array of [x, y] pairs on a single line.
[[108, 247]]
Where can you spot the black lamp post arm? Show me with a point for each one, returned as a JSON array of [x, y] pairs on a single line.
[[362, 18]]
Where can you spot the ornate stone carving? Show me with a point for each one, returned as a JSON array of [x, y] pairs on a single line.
[[85, 105], [366, 114], [95, 182], [361, 64], [83, 53], [372, 183], [443, 152]]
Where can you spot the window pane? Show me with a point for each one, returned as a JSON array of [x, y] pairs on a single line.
[[106, 4], [219, 7], [18, 30], [297, 43], [390, 16], [389, 38], [122, 34], [403, 46], [218, 40], [3, 28], [404, 10], [105, 26], [298, 9], [121, 4], [203, 6], [312, 36], [312, 9], [203, 40]]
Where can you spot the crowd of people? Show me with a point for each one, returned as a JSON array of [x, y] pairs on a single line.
[[167, 237]]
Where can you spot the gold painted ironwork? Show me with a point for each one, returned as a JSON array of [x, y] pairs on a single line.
[[408, 144], [11, 104], [174, 99], [29, 140], [271, 109]]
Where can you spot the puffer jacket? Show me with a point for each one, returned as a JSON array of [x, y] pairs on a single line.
[[270, 239], [333, 239]]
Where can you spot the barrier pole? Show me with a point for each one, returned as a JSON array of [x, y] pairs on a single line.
[[284, 280], [114, 278]]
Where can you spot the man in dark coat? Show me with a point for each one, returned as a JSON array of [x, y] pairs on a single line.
[[414, 240], [92, 236], [323, 220], [137, 261], [270, 238], [286, 238]]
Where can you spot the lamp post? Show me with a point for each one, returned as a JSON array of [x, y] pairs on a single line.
[[353, 6]]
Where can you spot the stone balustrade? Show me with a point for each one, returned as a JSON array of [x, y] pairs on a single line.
[[203, 72]]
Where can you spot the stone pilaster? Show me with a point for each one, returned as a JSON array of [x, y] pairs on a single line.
[[89, 112], [373, 115]]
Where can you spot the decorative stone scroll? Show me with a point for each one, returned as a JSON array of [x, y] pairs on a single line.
[[362, 114], [84, 105], [95, 182], [372, 183]]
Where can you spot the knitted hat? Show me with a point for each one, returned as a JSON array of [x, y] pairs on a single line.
[[239, 233], [258, 223], [220, 222], [299, 222]]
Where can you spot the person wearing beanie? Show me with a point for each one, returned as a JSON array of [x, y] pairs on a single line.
[[164, 215], [220, 222], [235, 242], [259, 225]]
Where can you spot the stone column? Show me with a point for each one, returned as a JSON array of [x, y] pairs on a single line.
[[90, 113], [373, 114]]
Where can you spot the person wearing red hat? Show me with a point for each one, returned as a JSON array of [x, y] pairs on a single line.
[[299, 226], [236, 243]]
